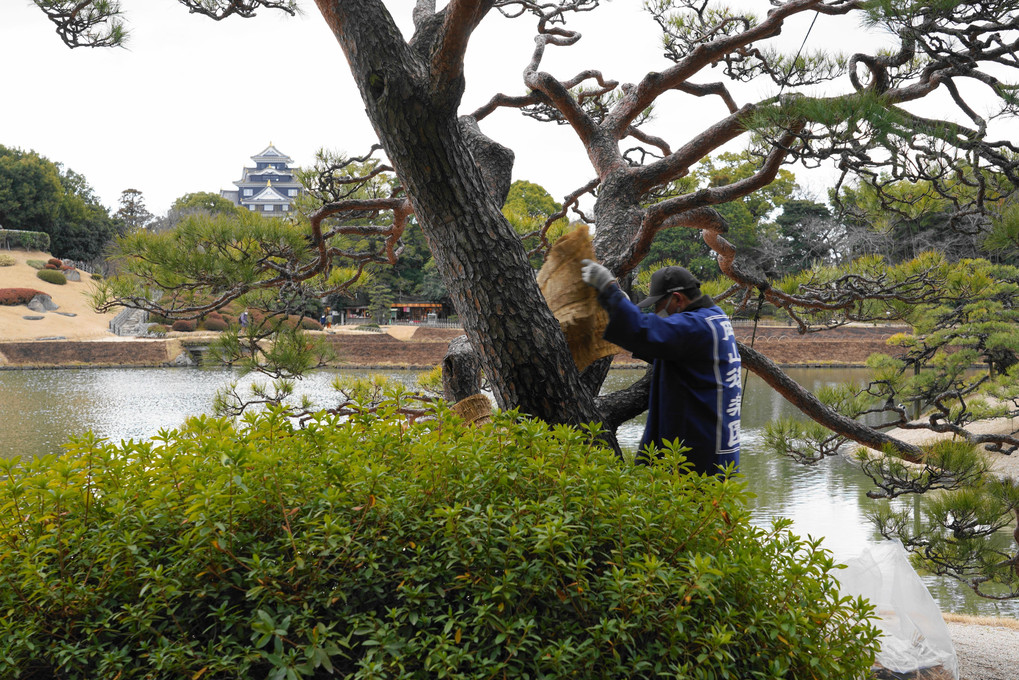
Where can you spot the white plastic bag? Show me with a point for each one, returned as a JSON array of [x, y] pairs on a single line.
[[915, 641]]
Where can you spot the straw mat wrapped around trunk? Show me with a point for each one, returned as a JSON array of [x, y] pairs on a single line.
[[475, 409], [573, 302]]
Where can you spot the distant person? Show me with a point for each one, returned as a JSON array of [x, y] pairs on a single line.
[[695, 375], [328, 318], [243, 319]]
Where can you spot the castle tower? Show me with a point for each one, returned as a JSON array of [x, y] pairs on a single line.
[[270, 187]]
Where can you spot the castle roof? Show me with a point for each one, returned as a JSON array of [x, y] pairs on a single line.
[[268, 195], [266, 171], [272, 155]]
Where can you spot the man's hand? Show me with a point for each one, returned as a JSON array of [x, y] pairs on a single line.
[[595, 275]]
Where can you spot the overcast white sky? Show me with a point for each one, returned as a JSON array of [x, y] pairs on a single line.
[[189, 100], [187, 103]]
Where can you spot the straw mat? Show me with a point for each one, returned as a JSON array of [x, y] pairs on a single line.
[[573, 302], [475, 409]]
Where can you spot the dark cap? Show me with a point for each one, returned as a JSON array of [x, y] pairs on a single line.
[[669, 280]]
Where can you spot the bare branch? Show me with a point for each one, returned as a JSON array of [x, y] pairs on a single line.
[[221, 9], [815, 409]]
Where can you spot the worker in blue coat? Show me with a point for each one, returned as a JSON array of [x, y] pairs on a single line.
[[695, 380]]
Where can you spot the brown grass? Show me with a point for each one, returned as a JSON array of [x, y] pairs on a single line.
[[997, 621], [71, 298]]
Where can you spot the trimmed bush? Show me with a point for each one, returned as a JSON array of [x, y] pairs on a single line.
[[18, 296], [56, 262], [184, 325], [50, 276], [370, 548], [215, 324], [309, 324], [51, 266], [35, 264], [7, 260], [270, 322]]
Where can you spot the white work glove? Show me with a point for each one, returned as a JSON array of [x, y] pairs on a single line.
[[595, 275]]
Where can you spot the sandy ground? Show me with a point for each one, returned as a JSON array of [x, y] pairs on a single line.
[[986, 648], [1003, 466], [72, 298]]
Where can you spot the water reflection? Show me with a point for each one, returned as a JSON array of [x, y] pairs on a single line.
[[40, 409], [825, 500]]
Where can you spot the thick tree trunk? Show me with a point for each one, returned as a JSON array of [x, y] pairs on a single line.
[[461, 371], [625, 404], [480, 257]]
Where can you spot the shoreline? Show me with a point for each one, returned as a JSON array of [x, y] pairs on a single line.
[[411, 348], [626, 366]]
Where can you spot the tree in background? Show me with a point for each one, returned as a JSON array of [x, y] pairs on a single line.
[[746, 217], [535, 216], [380, 300], [30, 190], [37, 194], [203, 200], [132, 212], [1002, 239], [872, 113], [906, 218], [807, 234], [196, 203]]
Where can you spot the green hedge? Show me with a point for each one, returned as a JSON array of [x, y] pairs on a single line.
[[51, 276], [25, 240], [375, 549]]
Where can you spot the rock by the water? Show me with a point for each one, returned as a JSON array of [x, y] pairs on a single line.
[[183, 359], [66, 313], [32, 317], [42, 303], [72, 275]]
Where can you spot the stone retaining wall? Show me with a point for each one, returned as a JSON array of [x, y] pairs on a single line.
[[51, 353], [427, 347]]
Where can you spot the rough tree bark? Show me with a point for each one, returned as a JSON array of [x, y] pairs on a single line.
[[411, 93], [461, 371]]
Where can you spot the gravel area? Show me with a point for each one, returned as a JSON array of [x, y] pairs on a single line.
[[986, 652]]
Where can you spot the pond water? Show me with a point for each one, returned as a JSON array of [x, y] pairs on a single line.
[[39, 409]]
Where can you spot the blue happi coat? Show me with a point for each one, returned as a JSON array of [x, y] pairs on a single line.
[[695, 380]]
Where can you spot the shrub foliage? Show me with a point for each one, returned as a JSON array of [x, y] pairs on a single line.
[[374, 548], [51, 276], [7, 260], [184, 325], [309, 324], [18, 296], [25, 240]]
